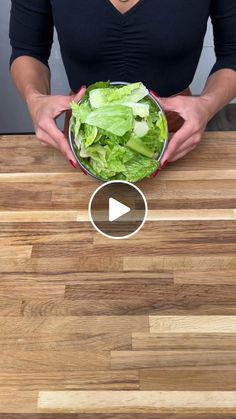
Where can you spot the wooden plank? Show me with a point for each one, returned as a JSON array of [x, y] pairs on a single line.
[[34, 177], [170, 415], [191, 214], [168, 341], [203, 174], [51, 265], [15, 252], [208, 277], [82, 215], [18, 401], [45, 326], [175, 238], [183, 263], [192, 324], [178, 300], [180, 230], [173, 195], [130, 307], [175, 300], [10, 307], [103, 307], [183, 415], [13, 290], [25, 196], [68, 341], [53, 360], [38, 216], [126, 289], [86, 277], [40, 416], [17, 233], [177, 359], [192, 239], [135, 401], [187, 380], [167, 300], [69, 380]]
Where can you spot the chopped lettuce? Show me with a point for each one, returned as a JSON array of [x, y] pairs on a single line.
[[130, 93], [117, 119], [139, 109], [119, 132]]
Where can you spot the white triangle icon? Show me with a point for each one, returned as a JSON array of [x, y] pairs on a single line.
[[117, 209]]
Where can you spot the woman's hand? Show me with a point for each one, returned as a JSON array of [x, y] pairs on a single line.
[[44, 110], [195, 113]]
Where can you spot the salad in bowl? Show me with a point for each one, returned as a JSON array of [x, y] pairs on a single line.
[[118, 131]]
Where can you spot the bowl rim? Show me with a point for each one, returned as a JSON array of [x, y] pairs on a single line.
[[165, 144]]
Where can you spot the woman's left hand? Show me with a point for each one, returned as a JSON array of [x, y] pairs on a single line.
[[195, 113]]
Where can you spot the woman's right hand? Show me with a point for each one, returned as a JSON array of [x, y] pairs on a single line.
[[44, 110]]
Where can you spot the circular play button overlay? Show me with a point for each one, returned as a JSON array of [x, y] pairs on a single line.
[[118, 209]]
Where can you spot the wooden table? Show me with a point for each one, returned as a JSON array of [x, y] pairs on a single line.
[[139, 326]]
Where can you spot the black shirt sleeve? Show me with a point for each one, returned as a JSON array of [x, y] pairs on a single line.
[[223, 16], [31, 29]]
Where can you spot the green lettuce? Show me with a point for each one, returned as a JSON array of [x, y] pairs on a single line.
[[101, 96], [117, 119]]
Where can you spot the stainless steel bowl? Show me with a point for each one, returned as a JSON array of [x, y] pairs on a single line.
[[72, 143]]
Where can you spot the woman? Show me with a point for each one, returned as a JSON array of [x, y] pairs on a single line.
[[153, 41]]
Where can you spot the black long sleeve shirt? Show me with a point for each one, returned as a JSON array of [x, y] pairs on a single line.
[[157, 42]]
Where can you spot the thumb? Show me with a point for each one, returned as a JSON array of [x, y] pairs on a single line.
[[80, 94]]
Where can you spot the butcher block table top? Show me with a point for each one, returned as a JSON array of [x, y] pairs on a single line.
[[97, 328]]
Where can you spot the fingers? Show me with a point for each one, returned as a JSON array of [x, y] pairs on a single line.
[[188, 145], [59, 138], [44, 116], [80, 94], [177, 140], [183, 153], [191, 142], [45, 139], [172, 104], [63, 102], [52, 136]]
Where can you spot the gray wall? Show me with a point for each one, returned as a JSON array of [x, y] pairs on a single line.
[[13, 114]]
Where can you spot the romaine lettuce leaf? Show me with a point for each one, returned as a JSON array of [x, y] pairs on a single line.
[[117, 119], [137, 144], [139, 109], [97, 85], [133, 92], [105, 96], [140, 167]]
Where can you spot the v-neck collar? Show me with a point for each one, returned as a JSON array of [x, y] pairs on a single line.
[[123, 15]]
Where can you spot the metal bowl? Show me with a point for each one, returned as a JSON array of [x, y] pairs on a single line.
[[72, 143]]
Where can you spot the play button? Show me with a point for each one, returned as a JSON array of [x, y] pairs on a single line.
[[117, 209]]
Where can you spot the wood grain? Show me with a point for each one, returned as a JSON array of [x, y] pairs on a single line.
[[70, 380], [187, 379], [170, 415], [193, 324], [135, 401], [141, 328], [187, 340], [177, 359]]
